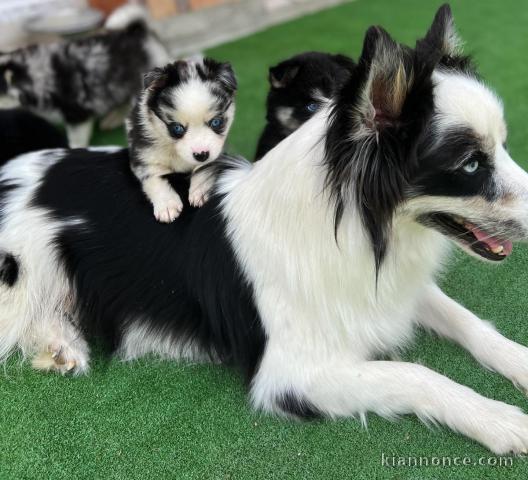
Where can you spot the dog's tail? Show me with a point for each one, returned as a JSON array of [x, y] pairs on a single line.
[[127, 16]]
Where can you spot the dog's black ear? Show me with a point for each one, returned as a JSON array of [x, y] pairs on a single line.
[[222, 73], [155, 79], [375, 121], [387, 79], [282, 74], [441, 40]]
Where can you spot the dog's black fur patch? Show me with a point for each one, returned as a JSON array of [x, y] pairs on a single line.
[[178, 279], [8, 269], [22, 131], [292, 85], [292, 404]]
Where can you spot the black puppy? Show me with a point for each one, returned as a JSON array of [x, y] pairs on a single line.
[[22, 131], [299, 86]]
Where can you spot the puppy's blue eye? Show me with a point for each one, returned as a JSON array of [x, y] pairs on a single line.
[[471, 167], [216, 123], [312, 107], [176, 129]]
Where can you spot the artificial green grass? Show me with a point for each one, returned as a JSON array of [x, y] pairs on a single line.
[[154, 419]]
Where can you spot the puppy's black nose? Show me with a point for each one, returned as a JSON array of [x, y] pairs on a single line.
[[201, 156]]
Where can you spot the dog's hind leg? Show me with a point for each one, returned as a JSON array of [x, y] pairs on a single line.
[[337, 385], [37, 319], [449, 319], [62, 347]]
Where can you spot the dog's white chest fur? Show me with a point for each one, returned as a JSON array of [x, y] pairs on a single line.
[[313, 289]]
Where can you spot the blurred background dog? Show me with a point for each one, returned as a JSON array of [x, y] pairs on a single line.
[[77, 81]]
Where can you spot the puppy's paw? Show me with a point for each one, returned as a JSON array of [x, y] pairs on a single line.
[[198, 196], [61, 359], [200, 189], [168, 211]]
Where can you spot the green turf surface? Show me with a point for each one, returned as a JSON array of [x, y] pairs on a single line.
[[154, 419]]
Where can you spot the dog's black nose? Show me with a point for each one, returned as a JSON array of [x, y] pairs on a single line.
[[201, 156]]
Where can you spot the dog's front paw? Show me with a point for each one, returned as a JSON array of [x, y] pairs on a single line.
[[168, 211], [201, 186], [61, 359], [511, 360], [198, 196], [502, 428]]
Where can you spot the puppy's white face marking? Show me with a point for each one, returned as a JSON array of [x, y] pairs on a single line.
[[286, 118], [195, 109], [194, 106]]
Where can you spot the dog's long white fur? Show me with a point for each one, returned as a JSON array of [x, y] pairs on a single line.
[[325, 319]]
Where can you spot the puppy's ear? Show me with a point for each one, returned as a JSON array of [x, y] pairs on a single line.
[[222, 73], [386, 81], [282, 74], [155, 79], [441, 40]]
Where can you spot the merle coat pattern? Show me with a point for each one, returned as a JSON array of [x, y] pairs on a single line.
[[84, 79]]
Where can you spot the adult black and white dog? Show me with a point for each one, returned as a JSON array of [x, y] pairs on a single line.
[[301, 270], [81, 80]]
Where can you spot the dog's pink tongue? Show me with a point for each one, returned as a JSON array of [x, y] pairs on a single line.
[[493, 243]]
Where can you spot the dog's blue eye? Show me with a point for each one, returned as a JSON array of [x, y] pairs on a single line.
[[216, 122], [471, 167], [176, 129], [312, 107]]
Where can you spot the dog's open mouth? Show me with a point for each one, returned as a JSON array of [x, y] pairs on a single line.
[[476, 238]]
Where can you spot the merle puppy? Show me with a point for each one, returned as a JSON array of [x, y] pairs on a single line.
[[299, 86], [181, 121], [89, 78]]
